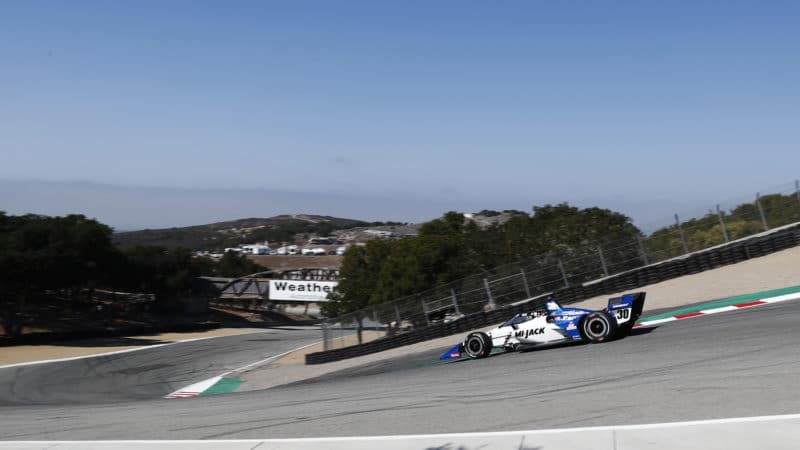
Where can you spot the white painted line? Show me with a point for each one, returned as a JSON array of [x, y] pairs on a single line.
[[656, 322], [74, 358], [651, 426], [719, 310], [781, 298], [206, 384], [117, 352], [266, 360], [194, 389]]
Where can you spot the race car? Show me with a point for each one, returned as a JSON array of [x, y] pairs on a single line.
[[554, 325]]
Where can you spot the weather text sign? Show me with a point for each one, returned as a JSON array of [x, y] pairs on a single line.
[[301, 290]]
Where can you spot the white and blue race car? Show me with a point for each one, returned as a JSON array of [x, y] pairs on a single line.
[[554, 325]]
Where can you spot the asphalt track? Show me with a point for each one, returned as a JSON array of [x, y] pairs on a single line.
[[145, 374], [732, 364]]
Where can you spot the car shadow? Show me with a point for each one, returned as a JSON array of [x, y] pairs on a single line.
[[644, 329]]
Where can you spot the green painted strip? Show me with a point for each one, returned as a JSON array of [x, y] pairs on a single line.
[[725, 302], [223, 386]]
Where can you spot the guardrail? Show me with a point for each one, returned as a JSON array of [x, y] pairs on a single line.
[[733, 252]]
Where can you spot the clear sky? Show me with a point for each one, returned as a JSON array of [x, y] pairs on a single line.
[[162, 113]]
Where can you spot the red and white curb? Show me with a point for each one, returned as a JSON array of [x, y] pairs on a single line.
[[195, 389], [734, 307]]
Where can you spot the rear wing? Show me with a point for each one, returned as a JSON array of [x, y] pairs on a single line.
[[626, 309]]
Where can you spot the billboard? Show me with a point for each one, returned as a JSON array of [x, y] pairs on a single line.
[[301, 290]]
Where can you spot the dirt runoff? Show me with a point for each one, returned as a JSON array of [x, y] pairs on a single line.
[[74, 348], [778, 270]]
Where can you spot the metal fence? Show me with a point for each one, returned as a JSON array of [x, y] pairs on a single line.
[[537, 277]]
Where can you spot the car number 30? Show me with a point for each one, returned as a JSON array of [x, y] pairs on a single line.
[[623, 314]]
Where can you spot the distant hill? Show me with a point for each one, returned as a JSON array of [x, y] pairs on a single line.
[[283, 228], [289, 228]]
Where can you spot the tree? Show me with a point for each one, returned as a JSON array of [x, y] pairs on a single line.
[[233, 265], [743, 220], [39, 254], [358, 272], [451, 248], [169, 274], [55, 261]]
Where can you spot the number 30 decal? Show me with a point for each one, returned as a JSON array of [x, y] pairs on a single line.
[[623, 313]]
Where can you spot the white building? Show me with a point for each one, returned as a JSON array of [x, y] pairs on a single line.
[[256, 249]]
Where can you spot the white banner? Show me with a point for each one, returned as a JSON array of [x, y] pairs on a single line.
[[301, 290]]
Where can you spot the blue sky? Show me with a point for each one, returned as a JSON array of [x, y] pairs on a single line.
[[130, 112]]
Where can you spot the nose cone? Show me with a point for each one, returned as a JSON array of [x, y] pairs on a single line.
[[453, 353]]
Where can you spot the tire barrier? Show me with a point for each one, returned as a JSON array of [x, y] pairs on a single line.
[[735, 252]]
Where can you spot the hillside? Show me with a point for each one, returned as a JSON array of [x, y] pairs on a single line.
[[283, 228], [280, 263], [294, 228]]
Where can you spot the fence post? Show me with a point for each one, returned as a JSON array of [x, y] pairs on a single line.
[[797, 189], [425, 311], [642, 250], [397, 316], [602, 259], [761, 212], [326, 337], [683, 236], [722, 224], [455, 302], [525, 282], [341, 332], [488, 293], [563, 273]]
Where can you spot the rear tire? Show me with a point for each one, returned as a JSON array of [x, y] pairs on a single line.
[[598, 326], [478, 345]]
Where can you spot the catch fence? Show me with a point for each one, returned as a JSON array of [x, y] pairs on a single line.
[[532, 280]]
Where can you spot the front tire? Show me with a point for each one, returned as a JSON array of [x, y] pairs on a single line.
[[478, 345], [598, 327]]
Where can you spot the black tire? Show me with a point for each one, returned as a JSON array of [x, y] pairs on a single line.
[[478, 345], [598, 326]]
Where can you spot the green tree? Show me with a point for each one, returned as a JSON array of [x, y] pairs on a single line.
[[451, 248], [358, 272], [742, 221], [169, 274], [39, 254], [233, 264]]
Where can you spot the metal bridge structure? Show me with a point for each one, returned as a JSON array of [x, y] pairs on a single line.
[[256, 286]]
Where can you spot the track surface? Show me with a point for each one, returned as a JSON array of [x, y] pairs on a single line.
[[739, 363], [144, 374]]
